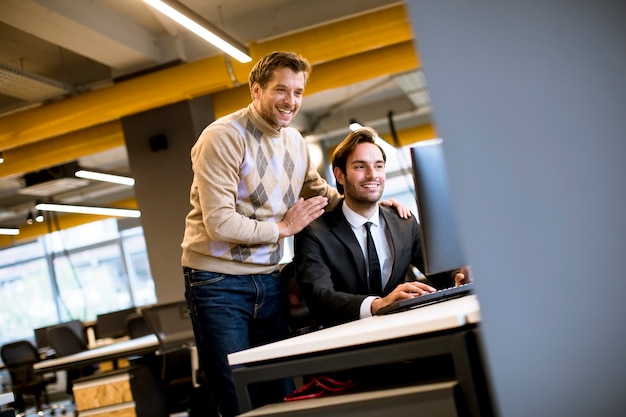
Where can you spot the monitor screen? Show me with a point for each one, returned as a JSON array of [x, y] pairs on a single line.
[[41, 334], [112, 325], [441, 247], [41, 337]]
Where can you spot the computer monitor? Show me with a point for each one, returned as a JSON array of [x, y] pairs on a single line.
[[41, 337], [441, 247], [41, 334], [113, 324]]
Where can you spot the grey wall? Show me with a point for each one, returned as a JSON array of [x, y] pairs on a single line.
[[530, 98], [162, 184]]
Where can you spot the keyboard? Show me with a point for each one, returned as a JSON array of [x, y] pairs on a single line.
[[427, 299]]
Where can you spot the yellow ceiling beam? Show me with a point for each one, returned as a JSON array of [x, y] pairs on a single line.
[[322, 44], [62, 149], [111, 103], [416, 134], [350, 36], [388, 60]]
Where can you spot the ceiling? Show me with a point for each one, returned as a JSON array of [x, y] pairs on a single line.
[[64, 64]]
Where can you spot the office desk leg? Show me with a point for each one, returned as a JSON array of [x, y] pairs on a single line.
[[461, 345]]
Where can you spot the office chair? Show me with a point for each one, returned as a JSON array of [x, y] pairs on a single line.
[[182, 380], [66, 342], [137, 326], [301, 319], [19, 358]]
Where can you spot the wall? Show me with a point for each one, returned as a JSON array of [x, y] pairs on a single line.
[[530, 99], [162, 183]]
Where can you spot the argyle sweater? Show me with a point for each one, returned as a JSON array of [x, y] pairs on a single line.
[[246, 176]]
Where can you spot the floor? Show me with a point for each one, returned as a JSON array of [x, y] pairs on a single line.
[[67, 410]]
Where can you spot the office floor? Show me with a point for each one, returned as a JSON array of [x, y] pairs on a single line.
[[67, 409]]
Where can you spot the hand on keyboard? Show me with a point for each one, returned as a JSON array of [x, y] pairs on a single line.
[[403, 291]]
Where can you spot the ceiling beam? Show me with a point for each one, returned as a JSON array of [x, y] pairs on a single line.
[[62, 149], [200, 78]]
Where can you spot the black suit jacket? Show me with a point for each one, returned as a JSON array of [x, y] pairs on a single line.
[[331, 269]]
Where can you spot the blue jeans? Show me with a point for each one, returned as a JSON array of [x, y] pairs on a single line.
[[232, 313]]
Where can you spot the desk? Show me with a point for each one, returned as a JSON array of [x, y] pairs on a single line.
[[139, 346], [448, 328]]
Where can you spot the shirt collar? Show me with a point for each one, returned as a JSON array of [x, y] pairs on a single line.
[[356, 220], [260, 122]]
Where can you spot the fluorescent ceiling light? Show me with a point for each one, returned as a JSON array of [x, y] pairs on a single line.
[[98, 176], [11, 231], [103, 211], [387, 147], [354, 125], [198, 25]]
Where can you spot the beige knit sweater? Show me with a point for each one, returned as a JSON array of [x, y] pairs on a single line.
[[246, 176]]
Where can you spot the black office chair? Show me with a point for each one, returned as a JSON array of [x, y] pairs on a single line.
[[66, 342], [301, 319], [19, 358], [183, 382], [137, 326]]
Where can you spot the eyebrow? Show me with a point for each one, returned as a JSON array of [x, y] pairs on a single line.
[[362, 161]]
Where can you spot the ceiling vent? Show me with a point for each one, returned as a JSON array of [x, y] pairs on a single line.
[[51, 181]]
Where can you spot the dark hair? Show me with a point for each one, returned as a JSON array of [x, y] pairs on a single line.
[[349, 144], [263, 70]]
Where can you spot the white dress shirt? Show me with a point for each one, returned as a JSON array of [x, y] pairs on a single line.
[[383, 249]]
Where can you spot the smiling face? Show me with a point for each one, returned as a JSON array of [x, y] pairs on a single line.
[[280, 100], [364, 178]]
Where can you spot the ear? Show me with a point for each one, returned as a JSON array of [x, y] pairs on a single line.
[[255, 90], [339, 176]]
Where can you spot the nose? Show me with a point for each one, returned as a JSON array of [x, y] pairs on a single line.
[[370, 172], [290, 98]]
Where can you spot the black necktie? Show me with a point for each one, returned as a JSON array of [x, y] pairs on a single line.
[[374, 264]]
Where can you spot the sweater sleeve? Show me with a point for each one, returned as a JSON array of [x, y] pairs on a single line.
[[216, 160]]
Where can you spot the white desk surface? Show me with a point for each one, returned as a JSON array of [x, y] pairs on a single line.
[[442, 316], [120, 348]]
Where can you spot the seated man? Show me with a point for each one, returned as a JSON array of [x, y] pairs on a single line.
[[331, 256]]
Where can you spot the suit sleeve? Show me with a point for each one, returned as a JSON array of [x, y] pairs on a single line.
[[316, 261]]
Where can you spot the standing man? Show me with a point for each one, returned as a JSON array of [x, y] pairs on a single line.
[[254, 184], [331, 254]]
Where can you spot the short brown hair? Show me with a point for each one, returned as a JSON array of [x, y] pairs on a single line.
[[263, 70], [348, 145]]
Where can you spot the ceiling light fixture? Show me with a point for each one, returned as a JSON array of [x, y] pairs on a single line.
[[1, 158], [201, 27], [39, 217], [11, 231], [354, 125], [29, 218], [98, 176], [29, 87], [387, 147], [103, 211]]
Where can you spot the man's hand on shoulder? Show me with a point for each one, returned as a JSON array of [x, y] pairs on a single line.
[[403, 211], [301, 214]]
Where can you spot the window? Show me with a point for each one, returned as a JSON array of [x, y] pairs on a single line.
[[73, 274]]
